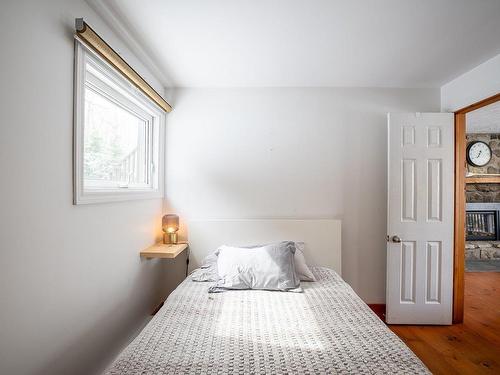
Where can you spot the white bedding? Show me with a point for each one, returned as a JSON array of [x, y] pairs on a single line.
[[325, 330]]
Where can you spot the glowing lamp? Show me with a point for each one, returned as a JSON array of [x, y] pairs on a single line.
[[170, 226]]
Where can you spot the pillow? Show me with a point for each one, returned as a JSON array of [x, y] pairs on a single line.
[[205, 274], [208, 268], [301, 267], [269, 267]]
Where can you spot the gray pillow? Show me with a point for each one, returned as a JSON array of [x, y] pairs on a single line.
[[270, 267], [207, 270]]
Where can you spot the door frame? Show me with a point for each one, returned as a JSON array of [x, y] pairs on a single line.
[[460, 184]]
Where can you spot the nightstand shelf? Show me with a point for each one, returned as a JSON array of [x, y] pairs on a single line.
[[161, 250]]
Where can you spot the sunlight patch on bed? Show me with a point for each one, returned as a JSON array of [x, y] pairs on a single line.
[[275, 319]]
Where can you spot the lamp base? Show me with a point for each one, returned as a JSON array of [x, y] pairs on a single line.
[[170, 238]]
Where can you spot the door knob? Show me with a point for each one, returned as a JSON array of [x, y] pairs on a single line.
[[396, 239]]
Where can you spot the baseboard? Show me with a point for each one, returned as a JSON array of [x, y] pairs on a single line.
[[378, 309]]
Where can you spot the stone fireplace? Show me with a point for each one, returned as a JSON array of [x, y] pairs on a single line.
[[483, 207], [482, 193], [482, 231], [483, 222]]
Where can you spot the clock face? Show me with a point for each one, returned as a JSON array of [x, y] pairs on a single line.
[[478, 154]]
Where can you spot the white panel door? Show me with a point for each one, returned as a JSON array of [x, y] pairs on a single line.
[[420, 218]]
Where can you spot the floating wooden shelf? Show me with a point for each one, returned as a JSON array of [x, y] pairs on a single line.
[[161, 250], [482, 180]]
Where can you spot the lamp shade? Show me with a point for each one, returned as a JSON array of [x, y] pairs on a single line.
[[170, 223]]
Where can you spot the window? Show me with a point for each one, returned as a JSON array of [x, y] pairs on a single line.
[[119, 135]]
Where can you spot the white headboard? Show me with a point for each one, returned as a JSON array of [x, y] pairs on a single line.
[[321, 237]]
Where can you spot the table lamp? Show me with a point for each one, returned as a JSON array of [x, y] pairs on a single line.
[[170, 226]]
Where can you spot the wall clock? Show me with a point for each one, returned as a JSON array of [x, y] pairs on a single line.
[[478, 154]]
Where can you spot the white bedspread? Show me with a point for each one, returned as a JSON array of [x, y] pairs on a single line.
[[325, 330]]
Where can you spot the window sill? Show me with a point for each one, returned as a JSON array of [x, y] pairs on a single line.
[[115, 196]]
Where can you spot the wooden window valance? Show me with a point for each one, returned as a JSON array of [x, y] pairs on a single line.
[[94, 41]]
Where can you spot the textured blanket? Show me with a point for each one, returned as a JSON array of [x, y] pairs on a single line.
[[325, 330]]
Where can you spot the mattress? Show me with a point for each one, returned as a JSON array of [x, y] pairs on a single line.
[[327, 329]]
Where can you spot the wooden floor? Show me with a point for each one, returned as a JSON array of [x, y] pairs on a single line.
[[469, 348]]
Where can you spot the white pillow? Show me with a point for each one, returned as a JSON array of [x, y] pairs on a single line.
[[269, 267], [208, 268]]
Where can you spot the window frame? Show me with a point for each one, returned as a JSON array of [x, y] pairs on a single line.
[[123, 93]]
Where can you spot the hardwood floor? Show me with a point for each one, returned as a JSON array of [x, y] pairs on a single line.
[[469, 348]]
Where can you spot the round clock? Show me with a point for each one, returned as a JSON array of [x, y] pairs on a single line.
[[478, 154]]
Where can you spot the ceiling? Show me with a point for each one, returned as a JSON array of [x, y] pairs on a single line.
[[484, 120], [283, 43]]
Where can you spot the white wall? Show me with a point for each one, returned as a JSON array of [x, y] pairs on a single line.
[[477, 84], [73, 289], [291, 153]]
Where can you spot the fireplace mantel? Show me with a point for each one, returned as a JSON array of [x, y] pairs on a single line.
[[482, 180]]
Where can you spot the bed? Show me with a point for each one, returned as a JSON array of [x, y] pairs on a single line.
[[327, 329]]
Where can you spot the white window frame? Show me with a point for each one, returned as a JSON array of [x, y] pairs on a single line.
[[121, 91]]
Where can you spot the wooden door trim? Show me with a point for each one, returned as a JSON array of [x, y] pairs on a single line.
[[459, 241], [459, 235], [479, 104]]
